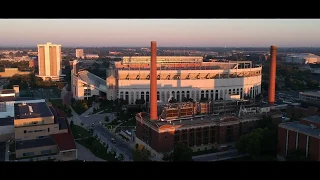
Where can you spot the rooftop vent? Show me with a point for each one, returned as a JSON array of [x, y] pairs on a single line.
[[191, 120], [201, 118], [180, 121]]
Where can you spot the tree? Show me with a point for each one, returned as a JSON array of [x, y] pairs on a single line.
[[141, 154], [106, 119], [181, 152], [121, 157], [251, 143]]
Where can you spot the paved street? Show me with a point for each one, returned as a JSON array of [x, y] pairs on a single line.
[[85, 154], [105, 136], [120, 145], [95, 118]]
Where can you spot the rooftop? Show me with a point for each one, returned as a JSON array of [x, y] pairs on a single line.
[[7, 121], [315, 132], [7, 91], [62, 123], [311, 93], [193, 120], [31, 110], [314, 119], [65, 141], [46, 141], [12, 98]]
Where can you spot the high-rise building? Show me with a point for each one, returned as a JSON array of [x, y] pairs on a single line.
[[79, 53], [49, 60]]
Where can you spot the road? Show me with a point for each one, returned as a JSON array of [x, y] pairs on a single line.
[[95, 118], [120, 145]]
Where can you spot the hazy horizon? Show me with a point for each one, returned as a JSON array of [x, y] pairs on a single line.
[[211, 33]]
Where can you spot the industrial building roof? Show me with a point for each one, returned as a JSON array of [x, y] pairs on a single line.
[[296, 126], [65, 141], [31, 110], [7, 91], [314, 119], [94, 80]]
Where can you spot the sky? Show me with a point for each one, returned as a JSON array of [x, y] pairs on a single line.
[[167, 32]]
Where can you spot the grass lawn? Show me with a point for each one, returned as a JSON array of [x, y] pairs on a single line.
[[129, 123], [97, 149], [79, 132]]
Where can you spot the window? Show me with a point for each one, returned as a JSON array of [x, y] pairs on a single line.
[[48, 129], [25, 131], [229, 134], [27, 154], [199, 136], [49, 151], [205, 135], [176, 137], [165, 137], [184, 136], [213, 135], [191, 137]]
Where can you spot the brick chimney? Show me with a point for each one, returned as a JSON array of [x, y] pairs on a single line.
[[272, 75], [153, 82]]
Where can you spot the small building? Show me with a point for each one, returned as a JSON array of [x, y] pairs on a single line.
[[303, 135]]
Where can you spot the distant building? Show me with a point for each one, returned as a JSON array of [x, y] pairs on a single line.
[[91, 56], [33, 63], [79, 53], [303, 136], [36, 129], [303, 58], [49, 59]]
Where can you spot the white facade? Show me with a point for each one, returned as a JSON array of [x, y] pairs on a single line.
[[214, 80], [47, 60], [303, 58], [132, 90]]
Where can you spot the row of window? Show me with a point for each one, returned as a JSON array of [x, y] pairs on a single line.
[[180, 95], [41, 130]]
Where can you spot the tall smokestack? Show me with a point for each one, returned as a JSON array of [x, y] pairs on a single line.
[[272, 75], [153, 82]]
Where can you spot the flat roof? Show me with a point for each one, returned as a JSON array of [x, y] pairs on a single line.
[[310, 93], [12, 98], [314, 119], [62, 123], [31, 110], [65, 141], [298, 127], [7, 121], [7, 91], [34, 143]]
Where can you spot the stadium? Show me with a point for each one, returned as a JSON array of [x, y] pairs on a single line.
[[178, 78]]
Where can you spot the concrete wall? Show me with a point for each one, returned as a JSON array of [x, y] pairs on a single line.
[[36, 151], [31, 134]]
